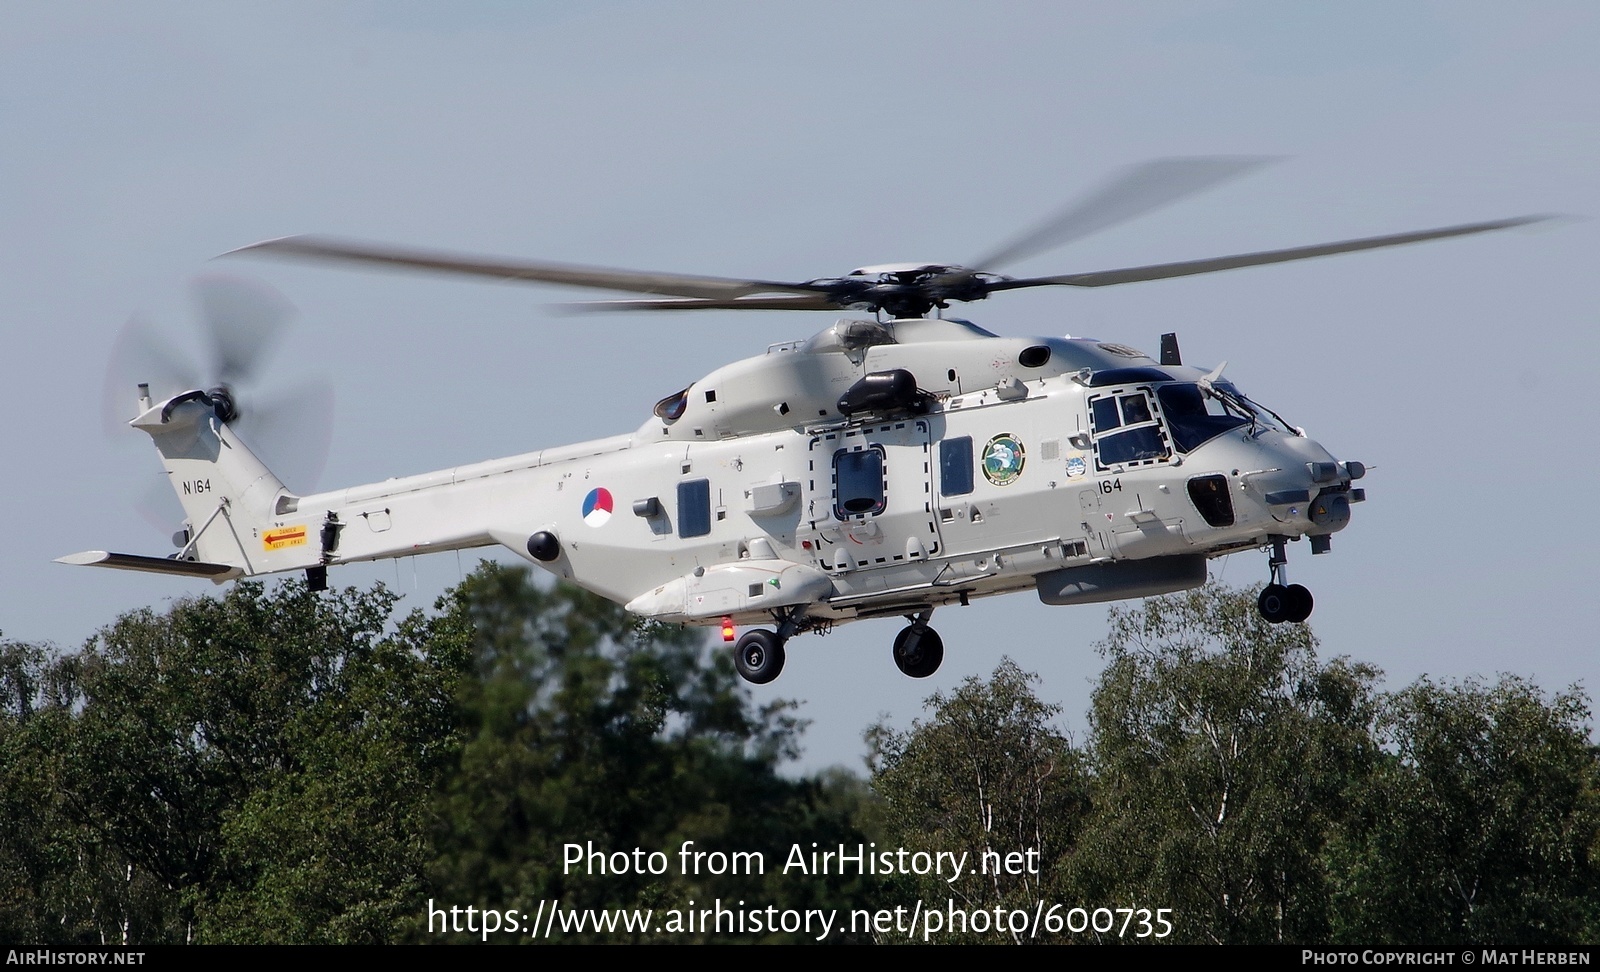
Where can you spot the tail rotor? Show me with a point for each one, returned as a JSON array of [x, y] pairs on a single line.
[[243, 322]]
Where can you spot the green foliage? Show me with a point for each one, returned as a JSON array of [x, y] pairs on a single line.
[[282, 766], [988, 773], [250, 767], [1263, 795], [331, 846], [588, 726], [1221, 749], [274, 765], [31, 852], [1481, 825]]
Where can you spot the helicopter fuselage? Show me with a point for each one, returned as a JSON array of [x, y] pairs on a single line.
[[880, 468], [1081, 469]]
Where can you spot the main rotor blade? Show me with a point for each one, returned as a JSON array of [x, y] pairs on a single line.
[[790, 302], [1136, 191], [1161, 271], [503, 268]]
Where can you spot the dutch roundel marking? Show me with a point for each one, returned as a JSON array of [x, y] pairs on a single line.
[[597, 506], [1002, 459]]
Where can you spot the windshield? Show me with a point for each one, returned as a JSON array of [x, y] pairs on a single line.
[[1262, 415], [1197, 415]]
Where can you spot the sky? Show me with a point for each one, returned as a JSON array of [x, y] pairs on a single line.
[[801, 140]]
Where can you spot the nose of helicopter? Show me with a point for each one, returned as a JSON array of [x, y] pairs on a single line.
[[1303, 487]]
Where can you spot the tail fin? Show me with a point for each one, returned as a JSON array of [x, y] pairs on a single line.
[[228, 495], [231, 500]]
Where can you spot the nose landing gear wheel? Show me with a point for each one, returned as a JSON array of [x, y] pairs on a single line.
[[1274, 603], [918, 650], [1278, 603], [758, 656], [1300, 603]]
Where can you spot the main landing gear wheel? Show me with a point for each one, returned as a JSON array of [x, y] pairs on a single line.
[[1278, 603], [758, 656], [918, 650]]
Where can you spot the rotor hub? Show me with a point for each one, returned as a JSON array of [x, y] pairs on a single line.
[[223, 404], [908, 290]]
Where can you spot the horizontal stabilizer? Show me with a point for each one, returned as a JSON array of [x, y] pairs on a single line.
[[154, 565]]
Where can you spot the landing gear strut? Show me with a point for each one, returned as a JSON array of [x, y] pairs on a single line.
[[918, 649], [1279, 602]]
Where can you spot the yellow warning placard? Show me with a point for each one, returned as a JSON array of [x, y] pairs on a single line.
[[281, 537]]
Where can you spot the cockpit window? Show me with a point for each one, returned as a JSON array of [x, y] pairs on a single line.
[[1106, 416], [1144, 444], [1195, 417], [1258, 412], [1126, 431]]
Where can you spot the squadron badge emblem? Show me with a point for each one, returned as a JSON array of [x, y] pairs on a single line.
[[1002, 460]]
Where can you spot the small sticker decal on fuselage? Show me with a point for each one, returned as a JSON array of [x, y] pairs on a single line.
[[1076, 466], [1002, 459], [597, 506], [280, 537]]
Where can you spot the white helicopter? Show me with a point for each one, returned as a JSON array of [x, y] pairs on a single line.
[[892, 463]]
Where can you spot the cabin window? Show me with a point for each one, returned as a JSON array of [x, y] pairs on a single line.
[[955, 466], [858, 487], [694, 508]]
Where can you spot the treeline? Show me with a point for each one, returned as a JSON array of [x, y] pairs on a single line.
[[281, 766], [1265, 796]]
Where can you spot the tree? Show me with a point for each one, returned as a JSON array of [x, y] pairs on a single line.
[[1482, 824], [1221, 751], [61, 880], [588, 726], [278, 765], [254, 767], [30, 841], [275, 765], [987, 774]]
